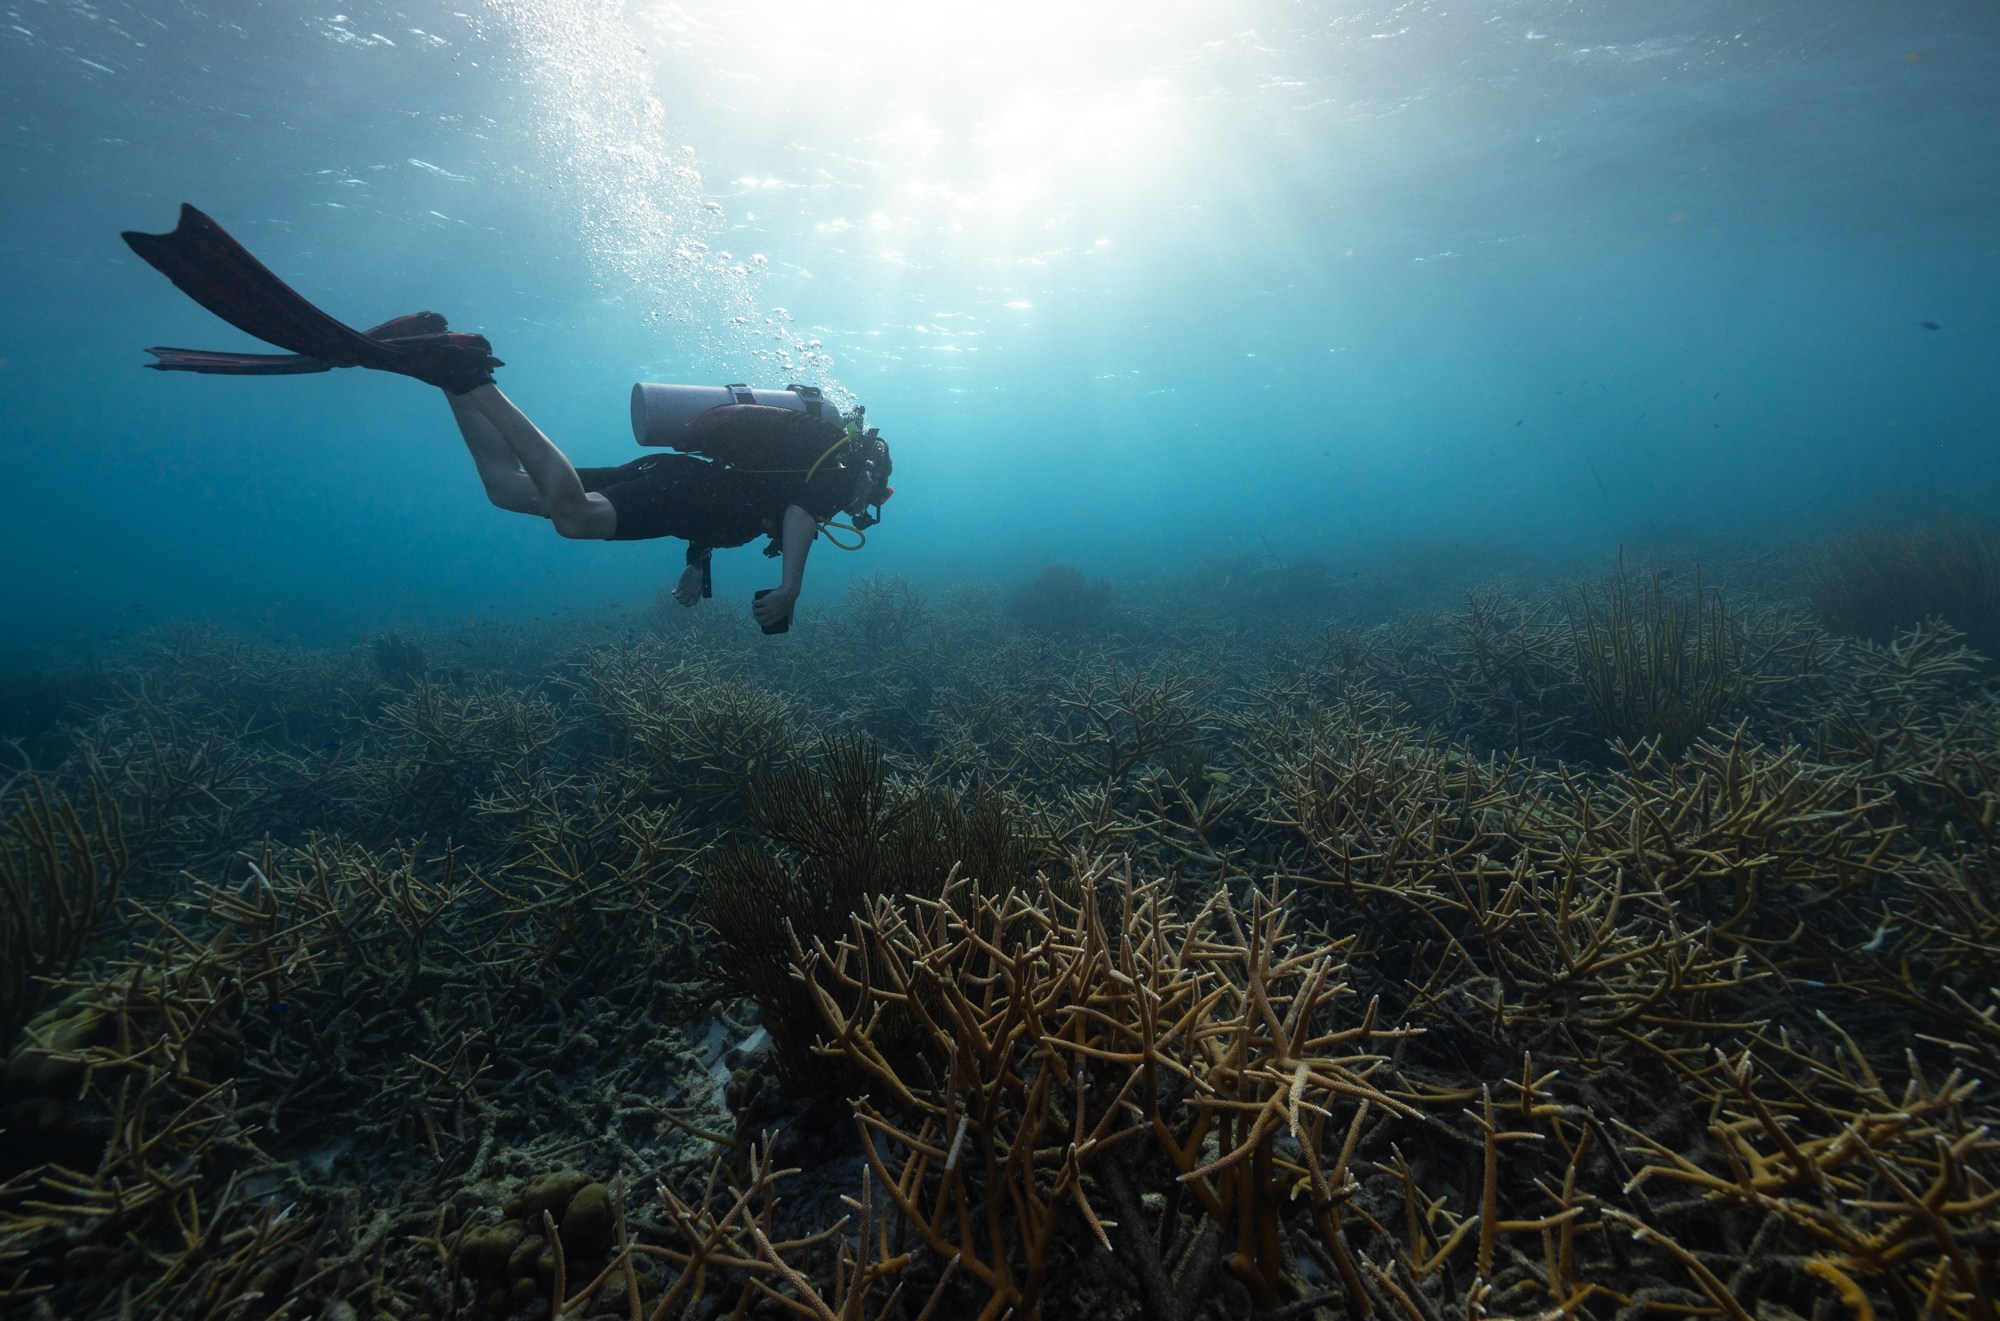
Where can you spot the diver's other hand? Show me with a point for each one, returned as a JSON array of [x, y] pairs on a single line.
[[774, 607], [688, 590]]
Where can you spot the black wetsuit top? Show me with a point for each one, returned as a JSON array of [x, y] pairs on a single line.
[[713, 504]]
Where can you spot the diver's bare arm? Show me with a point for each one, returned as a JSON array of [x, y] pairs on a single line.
[[577, 513], [799, 530], [795, 538]]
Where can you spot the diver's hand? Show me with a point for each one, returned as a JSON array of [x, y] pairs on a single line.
[[688, 590], [774, 607]]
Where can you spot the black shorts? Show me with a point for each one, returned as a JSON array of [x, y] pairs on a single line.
[[679, 495]]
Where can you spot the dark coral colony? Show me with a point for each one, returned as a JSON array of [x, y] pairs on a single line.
[[1618, 946]]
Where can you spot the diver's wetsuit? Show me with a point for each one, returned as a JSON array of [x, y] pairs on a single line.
[[711, 504]]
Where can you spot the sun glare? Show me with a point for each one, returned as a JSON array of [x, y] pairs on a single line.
[[979, 118]]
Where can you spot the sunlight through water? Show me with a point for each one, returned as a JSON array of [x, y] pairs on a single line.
[[649, 226]]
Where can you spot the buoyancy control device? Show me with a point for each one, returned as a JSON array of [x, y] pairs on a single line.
[[794, 430]]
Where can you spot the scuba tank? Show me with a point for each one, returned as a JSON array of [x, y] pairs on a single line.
[[661, 414]]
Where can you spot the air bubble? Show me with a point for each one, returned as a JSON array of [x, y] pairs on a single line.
[[641, 201]]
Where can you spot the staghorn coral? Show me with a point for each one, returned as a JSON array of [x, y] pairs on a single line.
[[128, 1069], [184, 782], [837, 833], [181, 1090], [309, 1073], [884, 611], [1110, 720], [1889, 1192], [434, 749], [1508, 680], [1046, 1046], [704, 738]]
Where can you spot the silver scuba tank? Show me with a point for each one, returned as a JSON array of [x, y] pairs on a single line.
[[661, 413]]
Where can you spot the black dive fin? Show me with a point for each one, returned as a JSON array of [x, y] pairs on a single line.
[[236, 364], [212, 268], [284, 364]]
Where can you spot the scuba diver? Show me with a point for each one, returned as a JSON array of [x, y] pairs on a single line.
[[780, 464]]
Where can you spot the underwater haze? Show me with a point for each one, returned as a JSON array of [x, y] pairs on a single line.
[[1123, 285]]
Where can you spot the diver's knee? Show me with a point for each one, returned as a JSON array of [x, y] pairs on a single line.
[[583, 526], [591, 519], [510, 490]]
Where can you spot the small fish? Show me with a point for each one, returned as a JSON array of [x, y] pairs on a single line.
[[1930, 325], [280, 1007], [1218, 777], [1880, 940], [1519, 421], [589, 792]]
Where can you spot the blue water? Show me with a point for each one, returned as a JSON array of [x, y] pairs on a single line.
[[1123, 284]]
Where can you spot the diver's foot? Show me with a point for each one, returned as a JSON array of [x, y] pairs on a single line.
[[409, 327], [688, 590], [417, 325], [455, 363]]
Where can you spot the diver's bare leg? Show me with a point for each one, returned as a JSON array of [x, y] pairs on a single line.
[[576, 512], [507, 486]]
